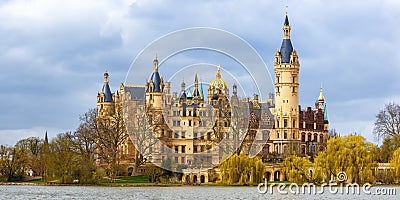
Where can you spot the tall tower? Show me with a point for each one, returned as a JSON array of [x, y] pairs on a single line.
[[286, 67], [154, 88], [105, 99]]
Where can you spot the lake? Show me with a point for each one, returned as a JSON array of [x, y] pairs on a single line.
[[12, 192]]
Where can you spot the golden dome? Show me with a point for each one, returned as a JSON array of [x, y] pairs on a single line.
[[218, 82]]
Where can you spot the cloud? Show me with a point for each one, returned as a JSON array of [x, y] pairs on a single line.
[[55, 52]]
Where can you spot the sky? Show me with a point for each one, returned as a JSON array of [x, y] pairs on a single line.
[[53, 53]]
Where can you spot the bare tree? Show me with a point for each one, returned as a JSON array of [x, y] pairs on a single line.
[[111, 134], [387, 122], [141, 134]]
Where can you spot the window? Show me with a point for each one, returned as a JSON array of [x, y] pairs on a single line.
[[309, 136], [183, 134], [176, 149], [194, 149], [294, 124], [303, 137], [162, 132], [202, 136], [285, 123], [176, 135], [182, 160], [294, 79], [169, 134], [208, 136], [194, 135], [174, 123], [176, 159], [315, 137], [183, 149], [285, 135], [293, 135], [190, 122], [277, 135], [190, 113], [321, 138], [178, 123]]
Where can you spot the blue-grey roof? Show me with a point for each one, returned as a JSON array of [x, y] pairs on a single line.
[[137, 92], [286, 21], [157, 80], [107, 93], [286, 50]]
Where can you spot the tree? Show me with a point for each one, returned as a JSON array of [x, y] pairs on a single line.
[[389, 145], [351, 154], [395, 162], [33, 147], [111, 134], [243, 170], [387, 123], [296, 168], [13, 162], [83, 142], [61, 160], [140, 132]]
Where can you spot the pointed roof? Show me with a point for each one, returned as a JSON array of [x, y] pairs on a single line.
[[106, 89], [201, 90], [325, 113], [286, 20], [156, 76], [46, 139], [286, 47]]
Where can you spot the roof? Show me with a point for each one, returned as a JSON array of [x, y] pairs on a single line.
[[286, 21], [107, 93], [286, 50], [157, 80], [137, 92]]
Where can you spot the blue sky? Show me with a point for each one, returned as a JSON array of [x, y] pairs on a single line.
[[54, 53]]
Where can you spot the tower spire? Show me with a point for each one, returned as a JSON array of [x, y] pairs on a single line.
[[155, 63], [106, 76], [321, 96], [219, 72]]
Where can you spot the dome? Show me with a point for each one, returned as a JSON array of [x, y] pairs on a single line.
[[219, 83]]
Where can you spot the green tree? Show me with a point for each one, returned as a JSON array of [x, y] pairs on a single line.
[[296, 168], [62, 160], [243, 170], [351, 154], [13, 162], [395, 162], [389, 145], [83, 142], [33, 147]]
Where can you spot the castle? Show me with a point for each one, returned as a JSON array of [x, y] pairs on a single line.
[[195, 130]]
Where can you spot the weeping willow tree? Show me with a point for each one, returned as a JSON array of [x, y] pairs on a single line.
[[395, 162], [296, 168], [351, 154], [242, 170]]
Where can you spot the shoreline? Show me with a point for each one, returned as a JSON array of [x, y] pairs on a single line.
[[151, 185]]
